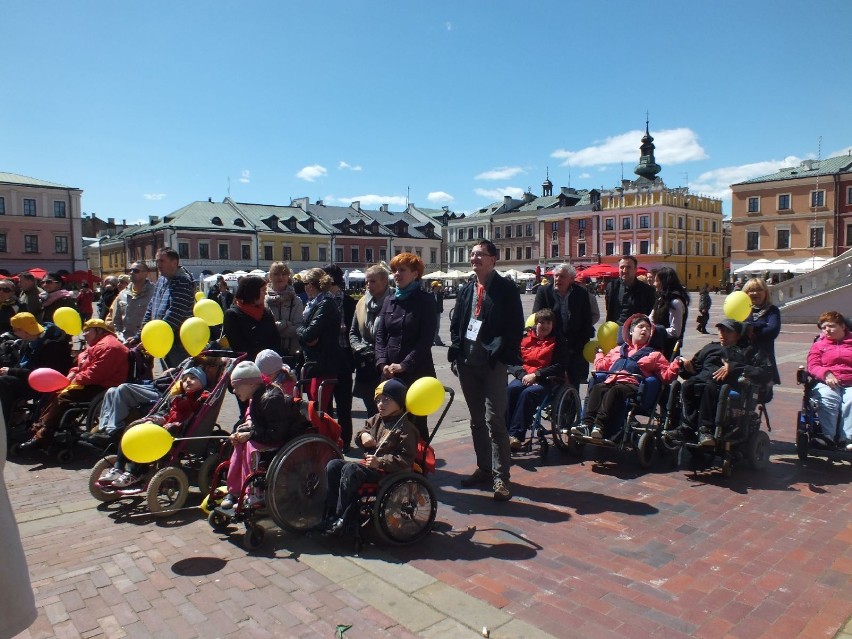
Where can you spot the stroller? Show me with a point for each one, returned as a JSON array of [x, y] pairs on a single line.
[[165, 483]]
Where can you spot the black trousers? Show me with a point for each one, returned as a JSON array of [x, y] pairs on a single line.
[[700, 398], [605, 402], [344, 480]]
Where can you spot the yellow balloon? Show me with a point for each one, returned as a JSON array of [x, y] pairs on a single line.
[[424, 396], [199, 296], [209, 311], [590, 350], [157, 338], [68, 319], [530, 321], [608, 335], [194, 335], [146, 442], [737, 306]]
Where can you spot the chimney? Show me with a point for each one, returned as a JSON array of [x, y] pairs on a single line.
[[124, 222], [355, 205], [210, 199], [153, 219], [319, 203], [111, 221], [507, 200], [384, 208]]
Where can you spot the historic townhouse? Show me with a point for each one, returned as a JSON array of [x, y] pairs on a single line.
[[411, 235], [441, 219]]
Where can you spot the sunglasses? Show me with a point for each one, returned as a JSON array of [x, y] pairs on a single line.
[[49, 282], [6, 289], [136, 270]]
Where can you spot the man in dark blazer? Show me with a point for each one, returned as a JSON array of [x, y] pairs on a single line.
[[571, 304], [486, 331], [628, 295]]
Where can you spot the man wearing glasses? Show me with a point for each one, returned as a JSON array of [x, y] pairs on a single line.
[[132, 302], [486, 331]]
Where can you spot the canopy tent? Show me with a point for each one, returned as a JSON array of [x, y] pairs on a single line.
[[457, 275], [353, 276], [436, 275], [82, 276], [779, 266], [518, 276], [811, 264], [755, 267], [38, 273], [599, 270]]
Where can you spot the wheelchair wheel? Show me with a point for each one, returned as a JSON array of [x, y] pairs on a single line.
[[96, 491], [646, 450], [566, 415], [254, 536], [167, 491], [296, 483], [207, 471], [218, 521], [405, 509], [803, 442], [757, 450], [65, 456], [93, 415]]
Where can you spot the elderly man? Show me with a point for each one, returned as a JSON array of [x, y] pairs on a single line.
[[103, 364], [628, 295], [486, 331], [132, 303], [172, 301], [571, 305], [30, 299]]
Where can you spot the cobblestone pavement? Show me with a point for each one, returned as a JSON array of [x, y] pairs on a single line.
[[591, 548]]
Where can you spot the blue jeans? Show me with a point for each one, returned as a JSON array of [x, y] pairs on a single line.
[[523, 401], [835, 411]]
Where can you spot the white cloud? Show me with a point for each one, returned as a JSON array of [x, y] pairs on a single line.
[[673, 146], [717, 182], [312, 172], [440, 196], [448, 25], [245, 176], [844, 151], [154, 196], [585, 176], [346, 165], [497, 194], [501, 173], [375, 200]]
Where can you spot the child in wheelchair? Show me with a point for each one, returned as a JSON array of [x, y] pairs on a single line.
[[626, 364], [188, 395], [271, 420], [717, 364], [389, 440]]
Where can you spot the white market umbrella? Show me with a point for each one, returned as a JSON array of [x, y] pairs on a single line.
[[811, 264], [437, 275], [779, 266], [355, 274], [754, 267]]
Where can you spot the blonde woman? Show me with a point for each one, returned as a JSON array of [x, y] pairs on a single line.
[[285, 306], [763, 325]]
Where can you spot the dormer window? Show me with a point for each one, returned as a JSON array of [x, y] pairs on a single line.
[[217, 221], [239, 222]]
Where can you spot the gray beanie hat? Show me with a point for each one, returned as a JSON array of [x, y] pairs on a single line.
[[246, 373], [269, 362]]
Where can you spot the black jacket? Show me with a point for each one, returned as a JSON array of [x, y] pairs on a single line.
[[574, 320], [743, 361], [638, 298], [247, 335], [502, 321], [404, 333], [318, 337], [275, 417]]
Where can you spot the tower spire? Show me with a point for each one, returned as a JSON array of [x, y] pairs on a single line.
[[647, 167]]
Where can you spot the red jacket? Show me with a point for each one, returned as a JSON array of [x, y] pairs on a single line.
[[104, 363], [537, 353]]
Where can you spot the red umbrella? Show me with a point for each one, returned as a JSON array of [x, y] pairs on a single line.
[[82, 276], [600, 270], [641, 270], [38, 273]]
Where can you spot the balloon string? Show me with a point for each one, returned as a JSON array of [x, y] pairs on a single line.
[[183, 439]]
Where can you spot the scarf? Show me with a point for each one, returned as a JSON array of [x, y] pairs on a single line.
[[758, 312], [49, 298], [253, 311], [402, 293], [311, 303]]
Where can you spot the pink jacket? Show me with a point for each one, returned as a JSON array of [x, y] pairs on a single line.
[[836, 357], [653, 364]]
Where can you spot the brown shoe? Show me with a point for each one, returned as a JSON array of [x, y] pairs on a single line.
[[479, 476], [515, 443], [501, 491]]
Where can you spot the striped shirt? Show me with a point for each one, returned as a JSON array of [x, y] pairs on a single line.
[[172, 301]]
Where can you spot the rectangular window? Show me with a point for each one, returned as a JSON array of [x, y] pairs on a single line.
[[698, 248], [817, 237], [610, 248], [29, 207], [554, 227], [581, 249], [519, 230], [368, 255], [61, 244], [383, 255], [753, 204], [2, 206], [625, 248], [528, 252], [715, 250], [268, 252], [698, 224], [784, 202], [752, 240], [529, 230], [480, 232], [58, 209], [554, 250], [644, 221], [643, 247], [338, 253], [508, 254], [30, 243], [848, 199], [783, 239], [223, 251], [183, 250], [497, 232], [849, 235], [461, 255], [306, 254], [322, 253], [519, 253], [354, 251], [470, 233], [287, 253], [714, 226], [245, 252], [817, 198], [508, 232], [680, 247], [581, 224], [203, 251], [609, 224], [625, 223], [3, 243], [433, 255], [680, 222]]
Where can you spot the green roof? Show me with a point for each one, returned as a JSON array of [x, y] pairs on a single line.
[[807, 169], [23, 180]]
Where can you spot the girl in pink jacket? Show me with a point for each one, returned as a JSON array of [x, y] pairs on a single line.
[[830, 362]]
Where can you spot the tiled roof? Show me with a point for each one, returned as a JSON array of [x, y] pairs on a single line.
[[807, 169], [23, 180]]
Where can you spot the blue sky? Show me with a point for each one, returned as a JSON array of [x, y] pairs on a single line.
[[149, 106]]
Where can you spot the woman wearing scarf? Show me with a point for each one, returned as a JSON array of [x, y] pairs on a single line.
[[671, 309], [318, 334], [248, 324], [406, 328], [286, 308], [362, 336], [763, 326], [54, 296]]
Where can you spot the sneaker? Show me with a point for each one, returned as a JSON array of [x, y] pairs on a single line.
[[228, 502], [479, 476], [252, 501], [126, 480], [501, 491], [580, 431], [597, 433], [706, 440], [515, 443], [849, 447], [336, 526], [109, 475]]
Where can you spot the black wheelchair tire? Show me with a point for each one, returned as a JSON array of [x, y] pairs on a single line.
[[646, 450], [803, 442], [757, 450], [397, 519], [565, 415], [254, 536]]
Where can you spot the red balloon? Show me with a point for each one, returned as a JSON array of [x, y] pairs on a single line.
[[47, 380]]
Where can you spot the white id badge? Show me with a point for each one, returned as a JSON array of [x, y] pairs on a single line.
[[473, 329]]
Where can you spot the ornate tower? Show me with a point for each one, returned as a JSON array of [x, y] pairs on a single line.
[[547, 185], [647, 167]]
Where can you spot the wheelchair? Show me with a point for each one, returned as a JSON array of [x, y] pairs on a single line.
[[738, 436], [553, 418], [809, 434], [640, 421]]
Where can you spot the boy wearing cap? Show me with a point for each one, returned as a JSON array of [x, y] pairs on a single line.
[[389, 440], [718, 363], [271, 420]]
